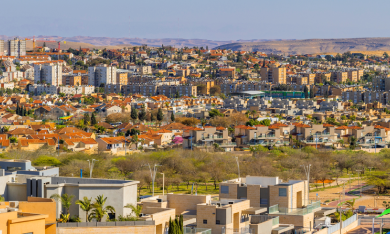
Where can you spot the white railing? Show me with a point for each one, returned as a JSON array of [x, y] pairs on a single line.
[[345, 224]]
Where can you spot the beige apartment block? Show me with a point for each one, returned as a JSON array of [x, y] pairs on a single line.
[[274, 74]]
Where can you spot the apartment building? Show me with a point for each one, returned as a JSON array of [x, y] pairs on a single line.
[[38, 89], [33, 216], [102, 74], [138, 79], [316, 135], [48, 73], [115, 88], [182, 90], [227, 72], [374, 96], [73, 90], [207, 137], [1, 47], [381, 83], [145, 70], [262, 135], [121, 78], [321, 77], [354, 96], [287, 200], [310, 78], [339, 76], [355, 75], [274, 74], [235, 103], [71, 80], [16, 47], [331, 106]]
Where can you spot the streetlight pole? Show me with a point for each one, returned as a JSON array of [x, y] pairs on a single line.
[[238, 166], [359, 181], [307, 172], [91, 164], [153, 174], [163, 182]]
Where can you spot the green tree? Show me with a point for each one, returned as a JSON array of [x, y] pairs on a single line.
[[214, 113], [172, 117], [386, 55], [306, 91], [142, 115], [13, 139], [93, 120], [160, 115], [2, 199], [66, 201], [99, 209], [134, 114], [86, 206], [86, 118], [135, 209]]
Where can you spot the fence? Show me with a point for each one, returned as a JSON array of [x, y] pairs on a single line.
[[102, 224], [345, 224], [190, 230], [244, 230]]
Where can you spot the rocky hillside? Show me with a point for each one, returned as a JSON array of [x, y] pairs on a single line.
[[311, 46]]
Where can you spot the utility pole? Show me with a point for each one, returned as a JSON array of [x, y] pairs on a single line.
[[307, 172], [91, 164]]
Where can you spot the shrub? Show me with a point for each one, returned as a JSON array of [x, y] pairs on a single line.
[[46, 161]]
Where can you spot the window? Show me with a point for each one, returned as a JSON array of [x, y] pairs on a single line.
[[217, 222], [224, 189], [205, 221], [264, 201], [282, 192], [111, 216]]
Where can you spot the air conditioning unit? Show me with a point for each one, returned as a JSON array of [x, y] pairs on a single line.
[[231, 202], [141, 214], [218, 204], [159, 200]]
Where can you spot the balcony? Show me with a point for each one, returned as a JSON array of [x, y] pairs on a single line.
[[312, 207], [264, 136], [269, 143]]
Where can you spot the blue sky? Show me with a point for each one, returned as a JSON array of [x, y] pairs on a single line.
[[211, 19]]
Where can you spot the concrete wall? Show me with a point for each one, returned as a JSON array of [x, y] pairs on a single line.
[[183, 202], [145, 229], [262, 228], [16, 192], [3, 186], [298, 220]]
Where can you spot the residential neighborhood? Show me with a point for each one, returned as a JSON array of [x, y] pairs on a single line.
[[194, 117]]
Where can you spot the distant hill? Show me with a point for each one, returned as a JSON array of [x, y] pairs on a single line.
[[291, 46], [107, 42], [311, 46]]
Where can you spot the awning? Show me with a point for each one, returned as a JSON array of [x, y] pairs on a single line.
[[254, 210]]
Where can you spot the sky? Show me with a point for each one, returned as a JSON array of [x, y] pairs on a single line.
[[200, 19]]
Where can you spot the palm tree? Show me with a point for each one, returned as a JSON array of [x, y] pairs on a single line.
[[253, 112], [135, 209], [66, 201], [99, 210], [85, 205], [351, 204]]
